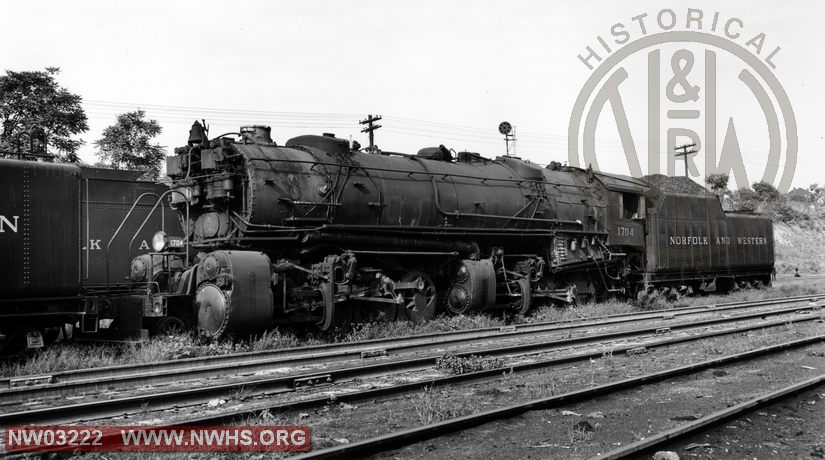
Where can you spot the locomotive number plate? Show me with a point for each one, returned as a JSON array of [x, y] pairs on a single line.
[[34, 339]]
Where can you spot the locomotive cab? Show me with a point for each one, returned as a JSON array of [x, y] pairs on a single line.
[[626, 212]]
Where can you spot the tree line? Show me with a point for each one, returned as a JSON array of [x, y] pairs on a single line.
[[798, 205], [40, 118]]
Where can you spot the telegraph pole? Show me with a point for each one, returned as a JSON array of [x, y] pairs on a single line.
[[371, 127], [684, 153]]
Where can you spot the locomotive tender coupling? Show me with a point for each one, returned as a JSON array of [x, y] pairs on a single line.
[[316, 232]]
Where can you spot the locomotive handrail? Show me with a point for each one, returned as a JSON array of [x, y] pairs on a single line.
[[412, 157], [458, 214], [250, 224], [122, 222], [163, 195]]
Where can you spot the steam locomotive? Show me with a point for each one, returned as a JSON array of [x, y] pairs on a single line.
[[318, 232]]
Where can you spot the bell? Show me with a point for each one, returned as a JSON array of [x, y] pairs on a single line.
[[197, 135]]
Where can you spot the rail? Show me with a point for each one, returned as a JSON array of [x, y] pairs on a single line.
[[420, 433], [162, 373]]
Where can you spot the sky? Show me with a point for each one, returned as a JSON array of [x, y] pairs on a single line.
[[439, 72]]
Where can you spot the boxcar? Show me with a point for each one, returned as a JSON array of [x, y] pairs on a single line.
[[56, 223]]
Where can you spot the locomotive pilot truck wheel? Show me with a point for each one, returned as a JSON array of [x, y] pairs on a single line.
[[169, 326], [419, 306]]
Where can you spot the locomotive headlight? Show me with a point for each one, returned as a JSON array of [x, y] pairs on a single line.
[[159, 241]]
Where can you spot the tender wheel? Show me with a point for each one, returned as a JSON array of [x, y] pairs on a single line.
[[169, 326], [419, 304]]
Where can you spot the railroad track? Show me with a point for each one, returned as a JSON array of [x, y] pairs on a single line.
[[130, 376], [660, 440], [424, 432], [420, 433], [289, 384]]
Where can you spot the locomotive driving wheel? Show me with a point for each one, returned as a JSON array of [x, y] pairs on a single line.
[[169, 326], [419, 303]]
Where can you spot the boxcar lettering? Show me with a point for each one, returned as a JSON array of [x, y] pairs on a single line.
[[756, 240], [689, 240], [5, 222]]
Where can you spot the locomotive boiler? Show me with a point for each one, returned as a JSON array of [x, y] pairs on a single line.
[[319, 232]]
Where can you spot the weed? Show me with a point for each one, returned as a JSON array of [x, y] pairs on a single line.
[[68, 355], [241, 394], [274, 340], [457, 365], [820, 352], [607, 358], [539, 389], [580, 432], [432, 407], [144, 409]]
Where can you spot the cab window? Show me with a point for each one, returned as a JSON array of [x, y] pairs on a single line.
[[632, 206]]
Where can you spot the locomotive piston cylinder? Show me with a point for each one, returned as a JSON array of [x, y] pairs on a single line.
[[234, 293]]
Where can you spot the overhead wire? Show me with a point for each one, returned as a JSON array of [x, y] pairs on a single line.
[[326, 120]]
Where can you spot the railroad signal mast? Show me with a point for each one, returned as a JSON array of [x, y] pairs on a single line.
[[509, 132], [684, 153], [371, 127]]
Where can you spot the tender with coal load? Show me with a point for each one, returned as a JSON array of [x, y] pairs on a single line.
[[317, 232]]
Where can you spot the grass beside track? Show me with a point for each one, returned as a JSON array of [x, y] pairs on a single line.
[[67, 356]]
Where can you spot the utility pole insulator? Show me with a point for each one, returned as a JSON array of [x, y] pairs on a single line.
[[370, 129]]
